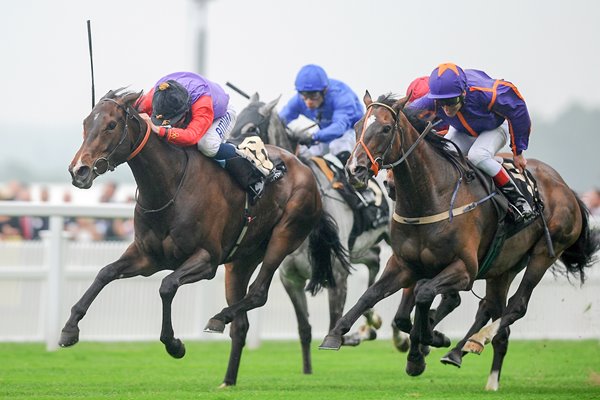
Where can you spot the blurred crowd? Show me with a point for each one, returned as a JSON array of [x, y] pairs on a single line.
[[98, 229], [78, 228]]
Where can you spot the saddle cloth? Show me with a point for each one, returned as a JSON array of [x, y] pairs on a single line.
[[253, 148]]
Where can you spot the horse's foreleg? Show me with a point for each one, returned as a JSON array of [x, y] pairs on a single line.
[[130, 264], [394, 278], [195, 268], [452, 279]]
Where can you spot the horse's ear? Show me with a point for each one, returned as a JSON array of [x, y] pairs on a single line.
[[399, 105], [254, 98], [131, 97], [266, 109], [367, 98]]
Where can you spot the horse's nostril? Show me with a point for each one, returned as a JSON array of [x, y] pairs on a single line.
[[83, 171]]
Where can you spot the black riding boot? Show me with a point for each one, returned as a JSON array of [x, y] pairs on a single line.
[[246, 175], [523, 210]]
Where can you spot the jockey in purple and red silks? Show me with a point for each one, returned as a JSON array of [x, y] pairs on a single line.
[[484, 114], [187, 109]]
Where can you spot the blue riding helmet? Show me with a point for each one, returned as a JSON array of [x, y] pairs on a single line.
[[311, 78], [447, 81]]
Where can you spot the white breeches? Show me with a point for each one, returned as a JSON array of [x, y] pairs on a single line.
[[217, 133], [481, 149]]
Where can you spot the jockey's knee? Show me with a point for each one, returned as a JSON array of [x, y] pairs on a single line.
[[485, 162]]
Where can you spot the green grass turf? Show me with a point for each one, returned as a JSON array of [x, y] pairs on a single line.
[[374, 370]]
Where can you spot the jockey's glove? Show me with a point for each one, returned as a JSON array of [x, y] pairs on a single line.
[[306, 139]]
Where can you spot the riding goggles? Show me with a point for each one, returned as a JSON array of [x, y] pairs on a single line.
[[449, 102], [312, 95]]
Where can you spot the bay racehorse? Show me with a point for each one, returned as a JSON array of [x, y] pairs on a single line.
[[443, 226], [191, 216], [259, 118]]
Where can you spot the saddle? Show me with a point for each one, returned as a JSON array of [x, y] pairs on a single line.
[[253, 170], [369, 206], [507, 225]]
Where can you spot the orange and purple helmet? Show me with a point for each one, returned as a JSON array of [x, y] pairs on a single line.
[[447, 81]]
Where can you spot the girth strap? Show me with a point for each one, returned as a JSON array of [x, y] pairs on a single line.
[[443, 215]]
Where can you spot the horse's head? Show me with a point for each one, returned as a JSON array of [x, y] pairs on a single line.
[[107, 137], [261, 119], [376, 142]]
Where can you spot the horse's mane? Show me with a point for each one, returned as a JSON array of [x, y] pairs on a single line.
[[441, 145]]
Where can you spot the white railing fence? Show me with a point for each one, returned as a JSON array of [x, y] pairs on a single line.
[[41, 280]]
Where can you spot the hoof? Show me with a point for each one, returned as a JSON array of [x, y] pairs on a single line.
[[451, 358], [374, 320], [351, 340], [331, 343], [401, 340], [367, 333], [416, 367], [214, 326], [440, 340], [224, 385], [68, 338], [177, 349], [473, 346]]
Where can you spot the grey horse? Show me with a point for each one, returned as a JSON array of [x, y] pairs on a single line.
[[259, 118]]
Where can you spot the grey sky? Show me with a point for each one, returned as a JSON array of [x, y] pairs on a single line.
[[547, 48]]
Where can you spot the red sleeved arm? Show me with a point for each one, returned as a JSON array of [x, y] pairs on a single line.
[[202, 118]]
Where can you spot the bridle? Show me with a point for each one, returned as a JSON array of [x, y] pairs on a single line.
[[377, 163], [103, 164]]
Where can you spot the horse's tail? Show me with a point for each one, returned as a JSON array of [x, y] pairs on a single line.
[[324, 244], [581, 253]]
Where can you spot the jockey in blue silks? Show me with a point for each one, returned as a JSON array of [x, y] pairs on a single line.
[[484, 115], [332, 105]]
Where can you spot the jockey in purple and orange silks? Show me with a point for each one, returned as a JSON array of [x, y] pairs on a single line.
[[484, 114]]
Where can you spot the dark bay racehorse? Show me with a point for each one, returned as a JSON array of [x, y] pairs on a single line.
[[191, 216], [442, 254], [262, 119]]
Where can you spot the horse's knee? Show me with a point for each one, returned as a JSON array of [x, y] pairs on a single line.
[[404, 324], [106, 275], [168, 287], [424, 295]]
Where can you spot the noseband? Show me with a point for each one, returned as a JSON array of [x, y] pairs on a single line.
[[377, 163], [103, 164]]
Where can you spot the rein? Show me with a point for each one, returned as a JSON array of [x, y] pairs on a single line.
[[138, 148], [376, 163]]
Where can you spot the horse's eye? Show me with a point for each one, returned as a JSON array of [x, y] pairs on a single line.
[[387, 129], [250, 129], [111, 125]]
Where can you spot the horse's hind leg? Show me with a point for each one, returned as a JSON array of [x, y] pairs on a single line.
[[294, 283], [283, 242], [237, 277], [372, 262], [490, 307], [516, 309], [131, 263], [195, 268]]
